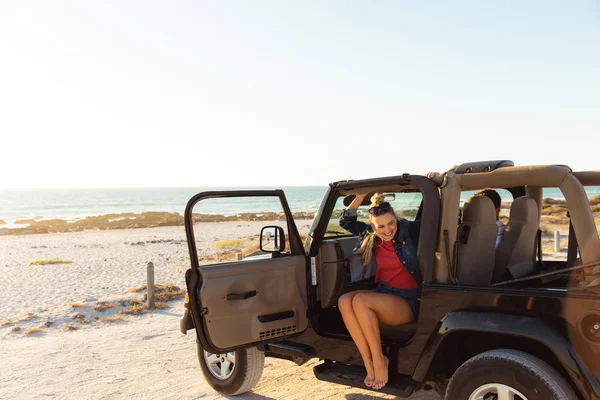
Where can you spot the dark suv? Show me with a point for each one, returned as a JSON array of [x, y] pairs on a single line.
[[516, 321]]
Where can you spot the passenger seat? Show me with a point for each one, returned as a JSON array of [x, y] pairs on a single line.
[[475, 247], [516, 251]]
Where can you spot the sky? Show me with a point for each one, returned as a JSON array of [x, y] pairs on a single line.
[[197, 93]]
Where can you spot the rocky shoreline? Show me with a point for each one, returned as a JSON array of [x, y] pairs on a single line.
[[553, 212], [135, 220]]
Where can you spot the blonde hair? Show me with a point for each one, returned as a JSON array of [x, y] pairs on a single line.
[[366, 248]]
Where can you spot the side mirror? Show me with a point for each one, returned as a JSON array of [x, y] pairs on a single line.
[[272, 239]]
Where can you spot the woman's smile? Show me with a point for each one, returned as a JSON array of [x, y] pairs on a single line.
[[385, 226]]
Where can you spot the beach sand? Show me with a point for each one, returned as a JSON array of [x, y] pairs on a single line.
[[142, 356]]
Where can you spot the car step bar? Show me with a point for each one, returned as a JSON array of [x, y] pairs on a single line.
[[399, 385], [297, 352]]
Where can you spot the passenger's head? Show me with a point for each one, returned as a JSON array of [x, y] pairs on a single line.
[[494, 196], [382, 217]]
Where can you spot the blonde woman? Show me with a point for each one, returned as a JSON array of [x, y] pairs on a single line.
[[392, 243]]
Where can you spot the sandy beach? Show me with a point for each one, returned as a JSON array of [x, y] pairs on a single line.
[[75, 355]]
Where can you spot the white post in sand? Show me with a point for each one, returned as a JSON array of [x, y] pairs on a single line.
[[150, 274], [556, 241]]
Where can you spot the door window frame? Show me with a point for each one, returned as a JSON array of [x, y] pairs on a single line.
[[296, 247]]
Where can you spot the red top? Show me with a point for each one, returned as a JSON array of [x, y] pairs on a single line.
[[390, 270]]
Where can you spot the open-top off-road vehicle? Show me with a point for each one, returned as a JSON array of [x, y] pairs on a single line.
[[517, 321]]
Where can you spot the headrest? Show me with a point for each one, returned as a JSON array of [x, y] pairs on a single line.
[[523, 209], [479, 209]]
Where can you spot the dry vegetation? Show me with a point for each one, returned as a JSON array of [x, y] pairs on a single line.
[[102, 306], [160, 305], [333, 227], [53, 261], [32, 331], [136, 289], [140, 308], [137, 220], [236, 243], [6, 322], [231, 249], [165, 292], [114, 318], [15, 329], [70, 327], [77, 305], [28, 317], [555, 217], [134, 310], [162, 294]]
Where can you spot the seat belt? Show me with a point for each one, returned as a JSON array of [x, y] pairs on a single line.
[[539, 248], [572, 249], [451, 267]]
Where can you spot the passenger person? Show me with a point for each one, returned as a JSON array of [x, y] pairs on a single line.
[[392, 242], [495, 197]]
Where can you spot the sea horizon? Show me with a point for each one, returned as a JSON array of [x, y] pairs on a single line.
[[72, 204]]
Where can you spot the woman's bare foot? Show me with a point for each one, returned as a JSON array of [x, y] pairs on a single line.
[[381, 374], [370, 375]]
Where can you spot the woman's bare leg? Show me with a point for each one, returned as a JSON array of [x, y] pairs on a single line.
[[345, 307], [369, 309]]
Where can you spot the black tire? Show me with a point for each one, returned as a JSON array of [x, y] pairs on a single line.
[[242, 377], [517, 370]]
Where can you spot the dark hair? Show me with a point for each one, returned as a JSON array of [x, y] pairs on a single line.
[[492, 194]]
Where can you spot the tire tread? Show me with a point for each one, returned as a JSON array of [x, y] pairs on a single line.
[[255, 360], [561, 390]]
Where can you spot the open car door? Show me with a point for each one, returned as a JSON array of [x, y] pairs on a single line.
[[247, 282]]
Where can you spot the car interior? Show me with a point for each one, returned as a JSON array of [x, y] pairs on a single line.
[[341, 271]]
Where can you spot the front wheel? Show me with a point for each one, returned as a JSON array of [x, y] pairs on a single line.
[[507, 374], [232, 373]]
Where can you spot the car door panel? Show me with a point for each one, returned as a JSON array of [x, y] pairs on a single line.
[[266, 300]]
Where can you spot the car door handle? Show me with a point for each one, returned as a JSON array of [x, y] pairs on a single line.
[[241, 296]]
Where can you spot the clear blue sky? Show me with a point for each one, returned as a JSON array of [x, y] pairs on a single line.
[[191, 93]]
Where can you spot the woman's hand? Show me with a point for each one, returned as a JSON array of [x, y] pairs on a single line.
[[430, 175]]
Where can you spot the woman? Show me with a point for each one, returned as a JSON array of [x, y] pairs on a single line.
[[393, 243]]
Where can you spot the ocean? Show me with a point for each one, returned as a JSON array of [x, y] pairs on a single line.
[[72, 204]]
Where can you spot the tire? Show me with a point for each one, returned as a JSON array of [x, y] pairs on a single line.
[[232, 373], [519, 375]]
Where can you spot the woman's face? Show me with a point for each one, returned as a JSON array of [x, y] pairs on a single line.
[[385, 225]]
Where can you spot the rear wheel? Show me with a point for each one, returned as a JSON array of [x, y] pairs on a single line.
[[507, 374], [232, 373]]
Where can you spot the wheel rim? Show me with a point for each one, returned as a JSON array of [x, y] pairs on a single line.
[[496, 391], [221, 366]]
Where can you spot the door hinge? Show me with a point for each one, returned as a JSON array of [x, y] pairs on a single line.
[[313, 271], [203, 311]]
